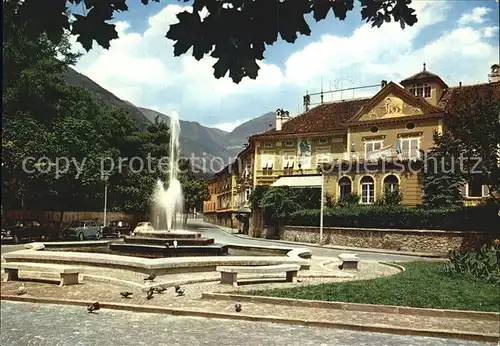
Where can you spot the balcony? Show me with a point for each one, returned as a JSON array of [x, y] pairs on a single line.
[[390, 154]]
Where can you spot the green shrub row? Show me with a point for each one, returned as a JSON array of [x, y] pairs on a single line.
[[481, 218]]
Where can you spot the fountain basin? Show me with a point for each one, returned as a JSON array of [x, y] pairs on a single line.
[[156, 251], [169, 242], [176, 234]]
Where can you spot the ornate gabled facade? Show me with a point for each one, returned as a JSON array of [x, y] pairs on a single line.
[[369, 145], [353, 137]]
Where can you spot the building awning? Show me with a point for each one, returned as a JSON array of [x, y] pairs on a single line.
[[244, 210], [299, 181]]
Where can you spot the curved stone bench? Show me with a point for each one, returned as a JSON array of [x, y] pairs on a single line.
[[69, 275], [349, 261], [229, 273], [158, 266]]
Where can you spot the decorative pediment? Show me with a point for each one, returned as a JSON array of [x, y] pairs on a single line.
[[393, 102], [390, 107]]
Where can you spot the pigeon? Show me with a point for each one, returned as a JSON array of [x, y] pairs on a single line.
[[93, 307], [179, 291], [21, 290], [126, 294], [151, 277], [160, 289], [150, 294], [237, 307]]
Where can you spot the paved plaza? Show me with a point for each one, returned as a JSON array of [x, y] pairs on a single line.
[[25, 323], [55, 325]]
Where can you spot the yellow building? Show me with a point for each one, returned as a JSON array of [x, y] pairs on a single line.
[[210, 206], [230, 191], [369, 144]]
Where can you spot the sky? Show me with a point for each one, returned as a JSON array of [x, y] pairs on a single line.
[[458, 40]]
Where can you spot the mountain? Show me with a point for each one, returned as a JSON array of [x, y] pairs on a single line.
[[75, 78], [196, 139], [251, 127]]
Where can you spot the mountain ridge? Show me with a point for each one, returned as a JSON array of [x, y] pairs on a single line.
[[196, 139]]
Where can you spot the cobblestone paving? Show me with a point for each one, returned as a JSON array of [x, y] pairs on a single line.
[[91, 291], [54, 325]]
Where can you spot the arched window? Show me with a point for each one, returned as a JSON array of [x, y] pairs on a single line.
[[345, 187], [391, 183], [367, 190]]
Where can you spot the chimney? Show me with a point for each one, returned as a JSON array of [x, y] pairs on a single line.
[[278, 120], [494, 76], [282, 117]]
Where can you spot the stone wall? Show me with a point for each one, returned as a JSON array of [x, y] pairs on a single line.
[[431, 241], [225, 219], [52, 218]]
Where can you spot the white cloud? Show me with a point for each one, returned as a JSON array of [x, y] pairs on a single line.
[[477, 16], [141, 68], [490, 31]]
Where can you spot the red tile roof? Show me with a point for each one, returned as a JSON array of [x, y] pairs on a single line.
[[331, 117], [323, 118], [454, 94]]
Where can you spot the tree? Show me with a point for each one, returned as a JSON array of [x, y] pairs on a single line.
[[279, 203], [474, 126], [195, 190], [442, 178], [468, 149], [235, 32], [133, 186], [44, 116]]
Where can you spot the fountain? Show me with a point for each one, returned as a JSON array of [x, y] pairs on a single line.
[[166, 239], [167, 203]]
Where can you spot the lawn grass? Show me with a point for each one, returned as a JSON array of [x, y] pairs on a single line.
[[423, 285]]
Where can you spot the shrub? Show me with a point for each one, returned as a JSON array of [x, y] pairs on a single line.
[[397, 216], [482, 264], [349, 199], [391, 198]]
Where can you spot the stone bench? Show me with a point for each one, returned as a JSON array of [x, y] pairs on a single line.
[[229, 273], [349, 261], [69, 275]]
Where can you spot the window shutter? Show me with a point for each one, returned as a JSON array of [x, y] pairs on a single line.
[[485, 191]]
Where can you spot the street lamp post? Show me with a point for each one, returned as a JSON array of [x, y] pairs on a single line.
[[105, 199], [321, 209]]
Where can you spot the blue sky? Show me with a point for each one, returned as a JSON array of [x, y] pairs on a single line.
[[457, 39]]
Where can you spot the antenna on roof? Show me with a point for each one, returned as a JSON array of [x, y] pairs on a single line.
[[321, 89]]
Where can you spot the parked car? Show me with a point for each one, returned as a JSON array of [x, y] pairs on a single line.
[[144, 227], [82, 229], [117, 229], [19, 229]]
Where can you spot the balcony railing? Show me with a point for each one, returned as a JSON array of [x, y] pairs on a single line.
[[387, 154]]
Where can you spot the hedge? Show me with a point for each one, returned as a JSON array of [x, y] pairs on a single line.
[[480, 218]]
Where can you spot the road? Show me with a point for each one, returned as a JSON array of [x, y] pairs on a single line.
[[209, 231], [59, 325]]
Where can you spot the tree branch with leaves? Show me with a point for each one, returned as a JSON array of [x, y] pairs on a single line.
[[235, 32]]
